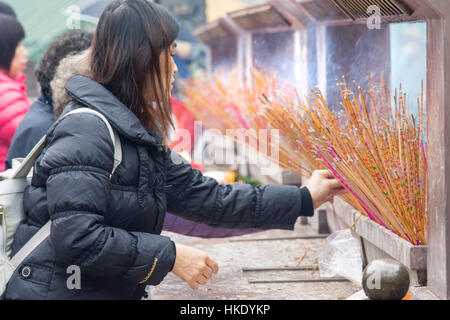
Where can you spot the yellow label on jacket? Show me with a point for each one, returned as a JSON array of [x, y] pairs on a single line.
[[150, 273]]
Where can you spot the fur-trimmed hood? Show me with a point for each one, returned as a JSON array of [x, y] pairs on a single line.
[[76, 63]]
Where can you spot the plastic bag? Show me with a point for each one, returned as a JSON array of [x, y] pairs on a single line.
[[341, 256]]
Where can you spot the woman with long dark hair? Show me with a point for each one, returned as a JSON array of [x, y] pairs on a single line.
[[105, 240]]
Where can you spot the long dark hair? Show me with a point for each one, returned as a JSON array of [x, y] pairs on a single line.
[[11, 33], [125, 58]]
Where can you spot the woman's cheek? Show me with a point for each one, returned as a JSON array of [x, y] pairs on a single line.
[[19, 62]]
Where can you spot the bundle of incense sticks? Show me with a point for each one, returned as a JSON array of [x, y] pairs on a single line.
[[223, 101], [378, 153], [375, 149]]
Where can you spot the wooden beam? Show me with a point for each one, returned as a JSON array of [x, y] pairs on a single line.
[[438, 150]]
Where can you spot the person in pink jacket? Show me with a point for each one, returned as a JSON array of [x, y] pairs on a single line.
[[14, 102]]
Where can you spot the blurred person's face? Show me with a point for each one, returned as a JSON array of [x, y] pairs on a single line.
[[19, 62], [173, 66], [169, 78]]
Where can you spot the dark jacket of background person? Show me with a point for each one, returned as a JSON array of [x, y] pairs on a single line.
[[111, 229], [33, 127]]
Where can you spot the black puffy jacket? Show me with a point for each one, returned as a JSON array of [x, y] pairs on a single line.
[[110, 228]]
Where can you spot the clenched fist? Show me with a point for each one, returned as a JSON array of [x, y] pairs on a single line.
[[193, 266]]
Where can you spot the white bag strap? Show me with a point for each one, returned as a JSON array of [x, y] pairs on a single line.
[[114, 135], [28, 163], [36, 240]]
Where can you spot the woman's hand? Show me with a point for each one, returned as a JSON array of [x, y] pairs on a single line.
[[323, 186], [193, 266]]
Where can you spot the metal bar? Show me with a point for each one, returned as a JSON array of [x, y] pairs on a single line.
[[258, 269], [299, 280], [353, 8], [343, 9], [384, 19], [363, 247], [303, 221], [319, 236], [400, 6]]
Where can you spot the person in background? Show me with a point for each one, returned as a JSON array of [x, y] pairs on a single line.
[[14, 102], [41, 114], [7, 9]]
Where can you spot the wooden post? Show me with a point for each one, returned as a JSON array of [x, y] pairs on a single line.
[[438, 140]]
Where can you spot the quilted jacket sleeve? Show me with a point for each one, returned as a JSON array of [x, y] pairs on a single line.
[[201, 199], [79, 159]]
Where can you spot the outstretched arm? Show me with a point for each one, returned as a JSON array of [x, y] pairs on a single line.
[[201, 199]]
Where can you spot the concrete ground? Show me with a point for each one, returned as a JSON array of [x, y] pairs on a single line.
[[232, 283]]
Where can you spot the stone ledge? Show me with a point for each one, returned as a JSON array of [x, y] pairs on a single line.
[[422, 293], [378, 242], [413, 257]]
